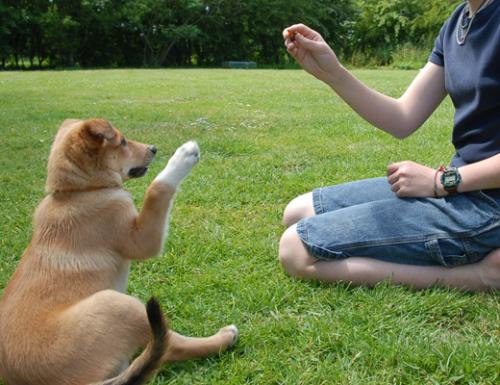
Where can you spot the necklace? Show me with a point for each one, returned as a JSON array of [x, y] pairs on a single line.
[[464, 24]]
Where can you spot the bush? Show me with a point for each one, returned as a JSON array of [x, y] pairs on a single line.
[[409, 57]]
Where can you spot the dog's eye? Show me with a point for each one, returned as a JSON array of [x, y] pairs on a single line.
[[123, 142]]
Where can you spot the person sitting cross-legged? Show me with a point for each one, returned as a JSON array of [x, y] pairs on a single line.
[[417, 225]]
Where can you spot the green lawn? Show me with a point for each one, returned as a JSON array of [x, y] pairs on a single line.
[[265, 137]]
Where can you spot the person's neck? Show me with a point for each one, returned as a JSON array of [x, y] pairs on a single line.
[[474, 5]]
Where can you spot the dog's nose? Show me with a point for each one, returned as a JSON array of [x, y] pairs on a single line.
[[153, 149]]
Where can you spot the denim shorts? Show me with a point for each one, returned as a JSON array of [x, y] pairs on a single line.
[[366, 219]]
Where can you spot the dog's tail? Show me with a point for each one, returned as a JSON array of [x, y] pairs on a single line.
[[145, 366]]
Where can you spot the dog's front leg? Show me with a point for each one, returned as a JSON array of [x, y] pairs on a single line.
[[151, 225]]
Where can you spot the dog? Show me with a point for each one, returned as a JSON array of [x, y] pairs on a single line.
[[65, 317]]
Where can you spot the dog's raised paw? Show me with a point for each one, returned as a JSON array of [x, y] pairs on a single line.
[[189, 152], [180, 164]]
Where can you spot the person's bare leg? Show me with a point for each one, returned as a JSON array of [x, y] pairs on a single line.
[[298, 208], [481, 276]]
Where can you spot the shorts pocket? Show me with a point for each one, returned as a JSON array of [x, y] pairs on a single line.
[[448, 252]]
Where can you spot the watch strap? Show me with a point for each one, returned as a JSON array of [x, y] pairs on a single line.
[[440, 169]]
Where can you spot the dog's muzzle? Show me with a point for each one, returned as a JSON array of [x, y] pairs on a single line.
[[137, 172]]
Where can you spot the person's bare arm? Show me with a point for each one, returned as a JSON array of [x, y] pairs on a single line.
[[481, 175], [399, 117]]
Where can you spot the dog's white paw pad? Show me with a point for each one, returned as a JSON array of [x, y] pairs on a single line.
[[231, 329], [180, 164], [188, 152]]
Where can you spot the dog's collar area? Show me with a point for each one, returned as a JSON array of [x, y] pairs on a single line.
[[89, 189]]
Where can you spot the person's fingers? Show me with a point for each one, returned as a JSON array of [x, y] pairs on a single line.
[[393, 178], [399, 190], [296, 29], [288, 32], [306, 42], [303, 30], [392, 168], [293, 51]]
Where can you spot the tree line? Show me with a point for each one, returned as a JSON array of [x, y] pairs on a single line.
[[155, 33]]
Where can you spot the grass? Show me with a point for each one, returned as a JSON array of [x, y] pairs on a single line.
[[266, 136]]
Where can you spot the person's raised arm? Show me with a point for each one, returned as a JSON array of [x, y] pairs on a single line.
[[399, 117]]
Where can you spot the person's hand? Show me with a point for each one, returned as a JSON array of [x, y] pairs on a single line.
[[410, 179], [311, 51]]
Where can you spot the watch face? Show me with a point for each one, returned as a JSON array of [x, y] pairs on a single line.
[[450, 179]]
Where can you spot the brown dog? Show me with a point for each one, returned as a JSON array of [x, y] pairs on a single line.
[[64, 316]]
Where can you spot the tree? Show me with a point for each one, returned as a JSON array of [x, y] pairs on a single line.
[[7, 25], [384, 25], [60, 28], [163, 23], [251, 30], [207, 32]]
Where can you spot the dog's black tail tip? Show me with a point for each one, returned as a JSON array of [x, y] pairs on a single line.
[[156, 319], [144, 366]]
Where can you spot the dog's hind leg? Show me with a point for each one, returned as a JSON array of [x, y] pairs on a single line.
[[101, 333], [182, 348], [107, 328]]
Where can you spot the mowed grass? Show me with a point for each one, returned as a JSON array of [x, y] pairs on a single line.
[[265, 136]]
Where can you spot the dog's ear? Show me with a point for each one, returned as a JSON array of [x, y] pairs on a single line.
[[99, 130]]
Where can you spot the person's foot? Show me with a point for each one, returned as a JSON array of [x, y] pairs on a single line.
[[490, 270]]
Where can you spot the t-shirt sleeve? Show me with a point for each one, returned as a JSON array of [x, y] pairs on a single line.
[[437, 55]]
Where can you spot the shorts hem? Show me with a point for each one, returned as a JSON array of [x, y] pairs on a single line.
[[316, 251], [317, 202]]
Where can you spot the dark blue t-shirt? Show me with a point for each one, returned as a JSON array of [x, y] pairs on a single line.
[[472, 79]]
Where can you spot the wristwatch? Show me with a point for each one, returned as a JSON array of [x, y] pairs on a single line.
[[450, 179]]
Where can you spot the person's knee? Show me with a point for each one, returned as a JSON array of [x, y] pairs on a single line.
[[491, 270], [298, 208], [292, 214], [291, 250], [285, 252]]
